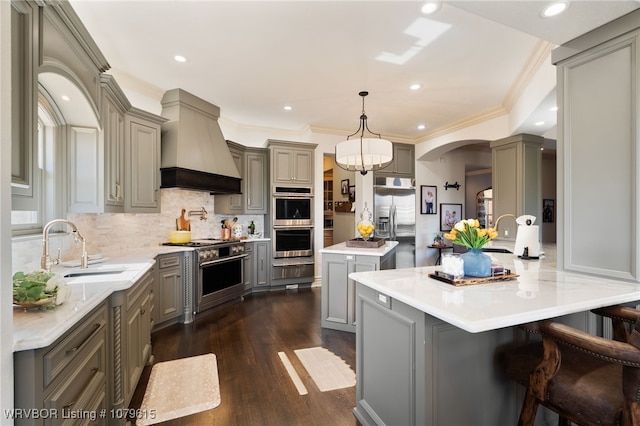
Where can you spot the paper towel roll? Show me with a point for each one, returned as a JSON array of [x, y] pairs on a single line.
[[527, 236]]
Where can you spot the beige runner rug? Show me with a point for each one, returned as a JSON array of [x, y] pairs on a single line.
[[328, 371], [180, 388]]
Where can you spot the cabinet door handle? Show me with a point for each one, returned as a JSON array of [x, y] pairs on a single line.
[[96, 327], [94, 371]]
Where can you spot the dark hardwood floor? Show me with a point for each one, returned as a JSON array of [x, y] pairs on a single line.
[[255, 388]]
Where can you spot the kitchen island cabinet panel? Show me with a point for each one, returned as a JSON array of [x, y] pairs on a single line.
[[438, 374], [339, 291]]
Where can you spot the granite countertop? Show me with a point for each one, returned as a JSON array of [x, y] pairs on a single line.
[[39, 328], [341, 248], [539, 292]]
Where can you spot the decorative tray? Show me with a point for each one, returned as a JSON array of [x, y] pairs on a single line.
[[359, 242], [473, 280]]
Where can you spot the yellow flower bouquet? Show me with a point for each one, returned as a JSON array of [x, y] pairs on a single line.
[[469, 234]]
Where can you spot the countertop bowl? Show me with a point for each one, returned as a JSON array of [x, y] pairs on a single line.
[[179, 237]]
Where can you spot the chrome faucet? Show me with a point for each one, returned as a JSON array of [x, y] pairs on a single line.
[[45, 261]]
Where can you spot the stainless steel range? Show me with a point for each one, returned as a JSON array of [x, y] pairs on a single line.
[[218, 272]]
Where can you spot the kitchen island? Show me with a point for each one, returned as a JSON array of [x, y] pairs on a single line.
[[338, 291], [425, 349]]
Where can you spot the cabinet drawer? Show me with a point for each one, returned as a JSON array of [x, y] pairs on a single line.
[[169, 261], [64, 352], [82, 388]]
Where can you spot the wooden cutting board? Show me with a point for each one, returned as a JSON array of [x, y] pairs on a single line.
[[182, 223]]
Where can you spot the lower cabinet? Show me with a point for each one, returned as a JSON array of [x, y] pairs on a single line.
[[248, 272], [339, 292], [262, 264], [66, 382], [130, 312], [168, 293]]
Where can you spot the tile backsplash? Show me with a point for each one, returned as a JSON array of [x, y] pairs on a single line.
[[115, 234]]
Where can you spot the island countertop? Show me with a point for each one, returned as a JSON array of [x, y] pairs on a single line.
[[537, 293], [341, 248]]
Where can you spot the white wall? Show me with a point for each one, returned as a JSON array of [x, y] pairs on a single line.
[[449, 167]]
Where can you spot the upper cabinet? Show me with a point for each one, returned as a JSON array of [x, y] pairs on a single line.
[[24, 108], [598, 90], [403, 164], [114, 107], [142, 161], [291, 163], [252, 164]]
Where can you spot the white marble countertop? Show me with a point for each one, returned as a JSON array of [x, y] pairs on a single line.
[[539, 292], [341, 248], [40, 328]]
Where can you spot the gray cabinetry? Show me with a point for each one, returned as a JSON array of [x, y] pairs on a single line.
[[249, 266], [437, 374], [115, 105], [131, 322], [598, 90], [339, 291], [252, 164], [68, 376], [142, 161], [262, 258], [291, 163], [403, 164], [168, 301]]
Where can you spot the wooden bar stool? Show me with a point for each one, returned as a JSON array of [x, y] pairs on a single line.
[[587, 380]]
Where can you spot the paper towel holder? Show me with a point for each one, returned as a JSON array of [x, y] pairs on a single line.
[[527, 244]]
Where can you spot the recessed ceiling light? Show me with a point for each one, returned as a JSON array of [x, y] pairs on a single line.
[[180, 58], [430, 7], [65, 98], [422, 126], [553, 109], [555, 9], [415, 86], [539, 123], [287, 107]]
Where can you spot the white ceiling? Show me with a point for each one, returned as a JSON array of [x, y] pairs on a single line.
[[252, 57]]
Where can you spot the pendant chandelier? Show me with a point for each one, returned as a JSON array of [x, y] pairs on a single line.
[[364, 153]]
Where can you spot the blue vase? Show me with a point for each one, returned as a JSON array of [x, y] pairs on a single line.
[[476, 263]]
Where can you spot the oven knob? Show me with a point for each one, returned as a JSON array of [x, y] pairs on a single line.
[[204, 254], [214, 253]]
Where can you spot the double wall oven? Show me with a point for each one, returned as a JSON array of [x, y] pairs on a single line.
[[218, 272], [292, 232]]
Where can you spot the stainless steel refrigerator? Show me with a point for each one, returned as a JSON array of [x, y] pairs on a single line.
[[394, 212]]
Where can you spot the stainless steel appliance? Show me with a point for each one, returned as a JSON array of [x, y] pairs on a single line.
[[292, 241], [394, 210], [292, 206], [218, 272]]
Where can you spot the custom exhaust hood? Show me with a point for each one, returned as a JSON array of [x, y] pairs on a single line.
[[195, 154]]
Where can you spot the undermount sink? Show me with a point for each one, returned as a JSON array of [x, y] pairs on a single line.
[[90, 271], [496, 250]]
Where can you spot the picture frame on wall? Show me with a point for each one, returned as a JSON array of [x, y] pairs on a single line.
[[344, 186], [548, 210], [450, 214], [428, 199], [352, 194]]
